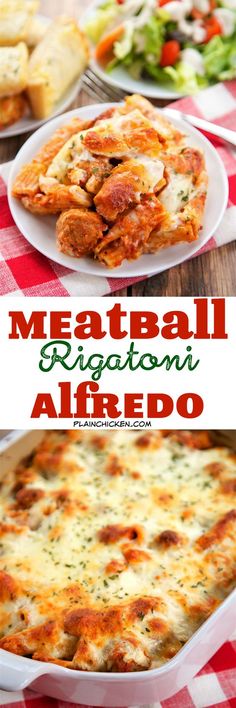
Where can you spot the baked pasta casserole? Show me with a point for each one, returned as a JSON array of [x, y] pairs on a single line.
[[124, 184], [115, 546]]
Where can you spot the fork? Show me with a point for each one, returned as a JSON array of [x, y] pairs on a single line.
[[229, 136], [99, 89]]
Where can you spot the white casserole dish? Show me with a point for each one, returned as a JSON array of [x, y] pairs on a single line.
[[104, 689]]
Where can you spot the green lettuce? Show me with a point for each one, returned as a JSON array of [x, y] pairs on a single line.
[[154, 37], [136, 69], [228, 74], [104, 16], [139, 51], [219, 57], [156, 73], [185, 78], [145, 44]]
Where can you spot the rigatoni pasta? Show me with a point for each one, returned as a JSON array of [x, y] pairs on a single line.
[[131, 168]]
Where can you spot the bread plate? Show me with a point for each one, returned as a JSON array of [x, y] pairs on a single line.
[[28, 123]]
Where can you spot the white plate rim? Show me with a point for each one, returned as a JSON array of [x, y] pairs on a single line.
[[137, 268], [16, 129], [148, 87]]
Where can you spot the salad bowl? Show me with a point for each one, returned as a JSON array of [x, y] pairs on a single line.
[[160, 48]]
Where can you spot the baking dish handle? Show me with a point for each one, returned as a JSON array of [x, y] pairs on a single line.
[[18, 675]]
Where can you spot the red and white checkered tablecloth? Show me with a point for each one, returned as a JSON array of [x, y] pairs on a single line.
[[214, 686], [25, 271]]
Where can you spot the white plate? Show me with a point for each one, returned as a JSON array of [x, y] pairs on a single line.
[[40, 231], [28, 123], [120, 78]]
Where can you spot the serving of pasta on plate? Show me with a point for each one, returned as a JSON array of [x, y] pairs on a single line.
[[123, 184]]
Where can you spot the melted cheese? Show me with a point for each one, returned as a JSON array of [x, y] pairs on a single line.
[[154, 169], [74, 151], [67, 157], [162, 486], [177, 192]]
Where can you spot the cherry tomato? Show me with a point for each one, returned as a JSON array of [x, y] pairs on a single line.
[[170, 53], [212, 27], [162, 2]]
